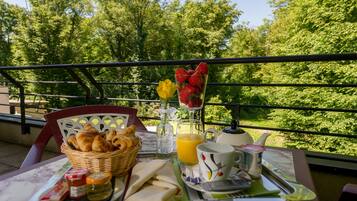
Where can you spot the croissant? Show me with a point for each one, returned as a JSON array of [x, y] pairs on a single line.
[[89, 128], [85, 140], [71, 141], [119, 142], [129, 131], [100, 144], [109, 136]]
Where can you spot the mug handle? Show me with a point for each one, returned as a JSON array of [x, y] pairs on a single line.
[[211, 134], [240, 161]]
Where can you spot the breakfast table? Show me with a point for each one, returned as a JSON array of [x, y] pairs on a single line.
[[22, 184]]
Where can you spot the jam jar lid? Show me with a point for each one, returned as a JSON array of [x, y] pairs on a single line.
[[98, 178], [74, 174]]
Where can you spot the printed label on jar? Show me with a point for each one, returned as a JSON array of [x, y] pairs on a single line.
[[77, 191]]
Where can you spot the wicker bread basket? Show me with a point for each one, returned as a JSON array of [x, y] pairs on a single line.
[[116, 162]]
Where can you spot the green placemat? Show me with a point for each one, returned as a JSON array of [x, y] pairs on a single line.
[[257, 189], [184, 195]]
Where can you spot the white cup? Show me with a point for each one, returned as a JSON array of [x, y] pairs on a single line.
[[215, 160]]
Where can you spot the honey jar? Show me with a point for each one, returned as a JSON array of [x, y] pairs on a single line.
[[99, 187]]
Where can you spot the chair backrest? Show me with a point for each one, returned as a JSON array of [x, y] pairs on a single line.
[[102, 117], [67, 121], [101, 121]]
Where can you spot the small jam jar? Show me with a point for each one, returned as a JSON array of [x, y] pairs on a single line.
[[99, 187], [76, 179]]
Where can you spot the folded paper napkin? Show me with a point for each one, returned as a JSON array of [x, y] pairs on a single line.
[[154, 180]]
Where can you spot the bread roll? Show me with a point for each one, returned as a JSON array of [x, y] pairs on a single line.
[[100, 144], [129, 131], [119, 142], [85, 141], [89, 128], [109, 136], [71, 141]]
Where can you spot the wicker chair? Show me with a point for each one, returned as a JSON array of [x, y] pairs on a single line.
[[64, 122]]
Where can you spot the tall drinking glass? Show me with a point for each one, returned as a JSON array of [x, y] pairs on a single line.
[[189, 134]]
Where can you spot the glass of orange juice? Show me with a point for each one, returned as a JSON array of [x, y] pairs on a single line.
[[189, 134]]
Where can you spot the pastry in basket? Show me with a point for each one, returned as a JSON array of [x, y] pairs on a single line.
[[100, 144], [88, 128], [129, 131], [72, 142], [85, 138], [109, 136], [119, 143], [89, 139], [125, 139]]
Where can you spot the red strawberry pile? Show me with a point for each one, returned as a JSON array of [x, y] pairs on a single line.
[[191, 85]]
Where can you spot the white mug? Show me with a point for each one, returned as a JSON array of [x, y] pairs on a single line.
[[215, 160]]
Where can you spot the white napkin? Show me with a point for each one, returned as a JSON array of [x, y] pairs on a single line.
[[152, 193], [167, 174], [141, 173], [154, 180], [163, 184]]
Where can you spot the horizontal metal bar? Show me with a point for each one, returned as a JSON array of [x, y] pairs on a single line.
[[152, 118], [135, 100], [337, 157], [298, 108], [53, 95], [239, 84], [48, 82], [283, 107], [279, 85], [288, 130], [2, 104], [265, 59], [129, 83], [216, 104]]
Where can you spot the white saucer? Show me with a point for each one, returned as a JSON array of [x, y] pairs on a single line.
[[199, 188]]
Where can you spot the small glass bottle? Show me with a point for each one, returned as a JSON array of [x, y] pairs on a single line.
[[99, 187], [76, 179]]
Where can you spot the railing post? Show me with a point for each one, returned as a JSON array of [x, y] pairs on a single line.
[[203, 116], [80, 82], [89, 76], [25, 128], [237, 107]]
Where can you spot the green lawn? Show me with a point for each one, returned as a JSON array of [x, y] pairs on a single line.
[[276, 139]]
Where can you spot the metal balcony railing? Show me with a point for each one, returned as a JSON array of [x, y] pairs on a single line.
[[73, 69]]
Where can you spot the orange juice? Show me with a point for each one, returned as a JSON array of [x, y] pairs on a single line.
[[186, 147]]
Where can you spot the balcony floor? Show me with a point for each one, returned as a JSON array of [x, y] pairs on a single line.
[[12, 156]]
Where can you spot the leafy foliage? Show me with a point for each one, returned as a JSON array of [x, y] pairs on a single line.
[[88, 31], [314, 27]]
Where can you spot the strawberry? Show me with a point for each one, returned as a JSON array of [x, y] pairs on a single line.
[[190, 72], [181, 75], [194, 102], [184, 96], [187, 92], [202, 68], [196, 79]]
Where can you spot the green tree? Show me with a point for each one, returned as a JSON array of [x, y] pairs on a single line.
[[8, 19], [246, 42], [206, 27], [314, 27], [51, 33]]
